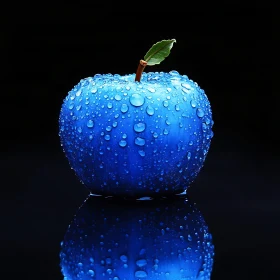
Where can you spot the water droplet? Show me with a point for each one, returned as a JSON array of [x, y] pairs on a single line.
[[156, 261], [78, 107], [204, 127], [185, 90], [136, 99], [167, 122], [118, 97], [71, 106], [139, 141], [116, 278], [80, 264], [207, 120], [109, 271], [90, 137], [165, 103], [110, 105], [108, 128], [123, 258], [189, 238], [78, 93], [193, 103], [94, 90], [107, 137], [151, 89], [189, 155], [139, 127], [140, 274], [191, 143], [155, 135], [124, 108], [124, 136], [90, 123], [142, 251], [174, 73], [165, 131], [79, 129], [108, 260], [141, 153], [150, 110], [141, 262], [122, 143], [91, 272], [115, 124], [177, 107], [199, 113], [187, 86]]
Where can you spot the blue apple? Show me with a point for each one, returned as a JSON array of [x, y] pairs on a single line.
[[129, 138], [157, 239]]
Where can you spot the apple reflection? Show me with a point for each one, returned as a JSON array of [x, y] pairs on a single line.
[[148, 238]]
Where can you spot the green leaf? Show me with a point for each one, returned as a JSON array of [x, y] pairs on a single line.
[[159, 51]]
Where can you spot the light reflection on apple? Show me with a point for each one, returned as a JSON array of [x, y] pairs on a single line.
[[148, 238]]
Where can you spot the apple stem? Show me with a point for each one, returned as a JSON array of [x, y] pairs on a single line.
[[140, 69]]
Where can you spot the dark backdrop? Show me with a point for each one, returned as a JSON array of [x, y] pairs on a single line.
[[231, 53]]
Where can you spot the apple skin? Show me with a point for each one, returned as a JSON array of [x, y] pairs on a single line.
[[130, 138], [111, 238]]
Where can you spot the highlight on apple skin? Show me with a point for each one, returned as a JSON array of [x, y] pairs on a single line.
[[129, 138], [156, 239]]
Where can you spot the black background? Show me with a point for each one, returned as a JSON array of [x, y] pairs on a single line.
[[231, 52]]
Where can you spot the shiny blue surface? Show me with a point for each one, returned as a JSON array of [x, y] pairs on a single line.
[[127, 138], [121, 239]]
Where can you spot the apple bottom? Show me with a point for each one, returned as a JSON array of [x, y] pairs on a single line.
[[141, 181], [159, 238], [171, 192]]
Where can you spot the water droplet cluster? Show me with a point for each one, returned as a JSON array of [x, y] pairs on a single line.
[[123, 137], [148, 238]]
